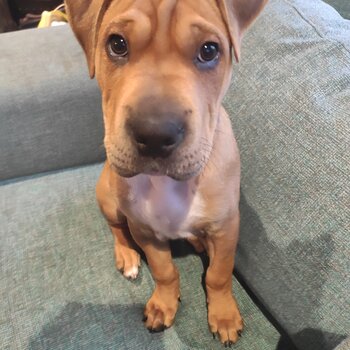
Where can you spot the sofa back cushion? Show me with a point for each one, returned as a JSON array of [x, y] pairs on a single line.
[[50, 110], [290, 107]]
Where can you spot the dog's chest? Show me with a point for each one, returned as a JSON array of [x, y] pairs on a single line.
[[167, 206]]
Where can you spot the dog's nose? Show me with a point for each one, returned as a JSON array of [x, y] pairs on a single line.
[[156, 137]]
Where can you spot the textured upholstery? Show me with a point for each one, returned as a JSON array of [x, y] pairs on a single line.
[[59, 288], [345, 345], [50, 110], [342, 6], [290, 107]]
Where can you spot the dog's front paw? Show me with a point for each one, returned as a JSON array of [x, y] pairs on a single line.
[[225, 319], [127, 260], [160, 311]]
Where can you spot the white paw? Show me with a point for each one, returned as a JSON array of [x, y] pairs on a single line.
[[131, 272], [128, 261]]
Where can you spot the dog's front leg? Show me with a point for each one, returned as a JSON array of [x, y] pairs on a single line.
[[127, 259], [126, 255], [223, 314], [161, 308]]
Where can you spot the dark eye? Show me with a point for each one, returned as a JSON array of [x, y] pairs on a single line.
[[208, 52], [117, 46]]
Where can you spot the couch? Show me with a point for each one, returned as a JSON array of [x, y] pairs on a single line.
[[289, 102]]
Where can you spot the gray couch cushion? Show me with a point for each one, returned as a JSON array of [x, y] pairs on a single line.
[[290, 107], [59, 289], [50, 111]]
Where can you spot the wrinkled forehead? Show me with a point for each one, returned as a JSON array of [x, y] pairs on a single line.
[[164, 17], [162, 9]]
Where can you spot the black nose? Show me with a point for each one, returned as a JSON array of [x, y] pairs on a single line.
[[156, 125], [154, 136]]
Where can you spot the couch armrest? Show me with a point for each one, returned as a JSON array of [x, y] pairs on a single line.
[[50, 111]]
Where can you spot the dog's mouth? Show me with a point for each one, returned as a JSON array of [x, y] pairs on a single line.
[[158, 171], [181, 170], [175, 176]]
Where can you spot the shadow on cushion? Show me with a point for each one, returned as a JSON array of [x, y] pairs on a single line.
[[294, 310]]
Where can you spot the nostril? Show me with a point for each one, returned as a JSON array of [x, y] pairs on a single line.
[[141, 140], [169, 141]]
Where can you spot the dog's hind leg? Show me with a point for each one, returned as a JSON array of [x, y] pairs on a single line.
[[198, 246]]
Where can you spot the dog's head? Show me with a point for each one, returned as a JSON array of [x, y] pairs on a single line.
[[163, 67]]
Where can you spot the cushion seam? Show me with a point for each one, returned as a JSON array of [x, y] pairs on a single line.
[[310, 23]]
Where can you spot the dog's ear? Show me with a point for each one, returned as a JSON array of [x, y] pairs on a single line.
[[238, 15], [85, 17]]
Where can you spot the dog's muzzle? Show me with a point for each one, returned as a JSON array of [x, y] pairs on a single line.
[[158, 140]]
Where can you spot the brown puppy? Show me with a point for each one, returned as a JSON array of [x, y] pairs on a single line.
[[172, 168]]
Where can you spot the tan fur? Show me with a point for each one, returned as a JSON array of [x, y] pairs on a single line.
[[163, 36]]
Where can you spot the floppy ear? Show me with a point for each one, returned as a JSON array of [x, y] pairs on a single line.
[[85, 17], [238, 15]]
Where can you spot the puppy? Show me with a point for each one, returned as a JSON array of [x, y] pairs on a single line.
[[173, 168]]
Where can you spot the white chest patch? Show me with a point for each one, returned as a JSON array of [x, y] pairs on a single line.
[[167, 206]]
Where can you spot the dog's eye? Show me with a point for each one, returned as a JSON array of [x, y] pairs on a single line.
[[117, 46], [208, 52]]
